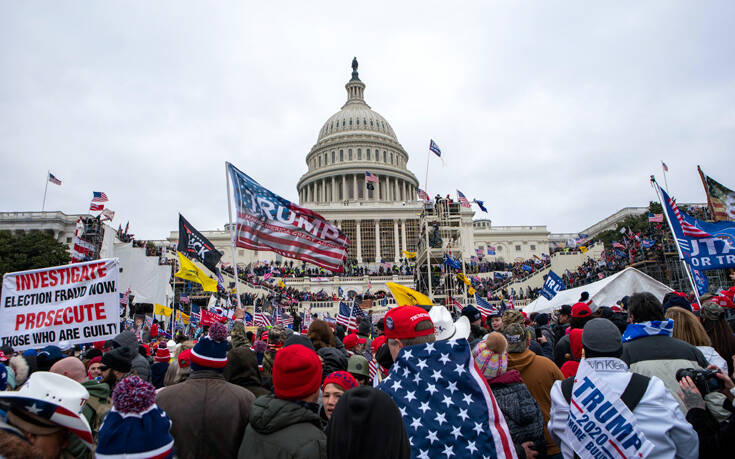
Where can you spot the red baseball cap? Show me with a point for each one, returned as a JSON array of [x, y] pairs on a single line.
[[377, 342], [581, 310], [353, 340], [401, 322]]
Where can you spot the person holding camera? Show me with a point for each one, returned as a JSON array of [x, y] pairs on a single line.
[[715, 439]]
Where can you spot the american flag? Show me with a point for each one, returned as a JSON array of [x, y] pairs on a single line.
[[510, 302], [287, 320], [277, 319], [344, 317], [99, 196], [369, 177], [52, 178], [423, 195], [458, 305], [462, 199], [446, 404], [373, 369], [57, 414], [268, 222], [96, 207], [655, 218], [124, 297], [433, 147], [666, 168], [82, 250], [484, 306], [261, 319], [490, 250], [687, 228]]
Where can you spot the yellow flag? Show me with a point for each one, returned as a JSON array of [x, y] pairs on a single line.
[[408, 254], [180, 316], [161, 310], [463, 278], [583, 248], [281, 284], [408, 297], [471, 290], [190, 272]]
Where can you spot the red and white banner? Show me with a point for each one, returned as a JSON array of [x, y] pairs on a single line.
[[209, 318], [77, 303]]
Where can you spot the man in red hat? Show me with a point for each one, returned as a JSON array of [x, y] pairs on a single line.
[[407, 326], [354, 344]]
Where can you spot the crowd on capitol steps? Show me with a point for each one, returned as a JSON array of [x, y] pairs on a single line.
[[645, 377]]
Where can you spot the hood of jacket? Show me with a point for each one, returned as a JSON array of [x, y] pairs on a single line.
[[242, 367], [509, 377], [270, 414], [522, 360], [333, 360], [97, 389], [127, 340]]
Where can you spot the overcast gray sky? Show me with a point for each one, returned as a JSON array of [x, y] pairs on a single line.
[[554, 113]]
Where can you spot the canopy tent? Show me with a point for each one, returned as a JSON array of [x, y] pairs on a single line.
[[605, 292]]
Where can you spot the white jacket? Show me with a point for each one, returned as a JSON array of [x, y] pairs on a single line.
[[713, 357], [657, 415]]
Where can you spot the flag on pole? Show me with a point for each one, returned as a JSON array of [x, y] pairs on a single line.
[[490, 250], [434, 148], [480, 204], [109, 214], [190, 272], [423, 195], [52, 178], [406, 296], [484, 306], [370, 177], [666, 168], [463, 199], [721, 200], [99, 196], [261, 319], [268, 222], [344, 317], [655, 218], [193, 244], [96, 207]]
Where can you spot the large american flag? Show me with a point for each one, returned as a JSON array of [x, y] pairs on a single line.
[[423, 195], [463, 199], [370, 177], [447, 406], [687, 228], [344, 317], [268, 222], [261, 319], [52, 178], [96, 207], [484, 306]]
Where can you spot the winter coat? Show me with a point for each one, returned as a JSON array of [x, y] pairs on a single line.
[[282, 429], [158, 373], [242, 369], [208, 415], [333, 360], [539, 374], [141, 366], [520, 410], [238, 336], [562, 351], [713, 357], [95, 410], [662, 356]]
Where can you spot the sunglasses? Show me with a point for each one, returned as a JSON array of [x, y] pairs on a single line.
[[103, 367]]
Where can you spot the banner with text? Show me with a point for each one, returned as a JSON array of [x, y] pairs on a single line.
[[77, 303], [553, 285]]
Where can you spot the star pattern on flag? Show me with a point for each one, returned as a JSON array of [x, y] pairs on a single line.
[[446, 411]]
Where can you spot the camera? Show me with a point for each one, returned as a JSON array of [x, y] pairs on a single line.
[[705, 380]]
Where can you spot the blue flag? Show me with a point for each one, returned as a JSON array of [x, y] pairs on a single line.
[[451, 262], [340, 292], [701, 281], [526, 268], [552, 285], [248, 318], [499, 276], [647, 243], [704, 245], [480, 204]]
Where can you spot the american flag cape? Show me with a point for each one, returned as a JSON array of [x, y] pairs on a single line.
[[268, 222], [446, 404]]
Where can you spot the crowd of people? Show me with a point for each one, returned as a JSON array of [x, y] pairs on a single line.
[[650, 375]]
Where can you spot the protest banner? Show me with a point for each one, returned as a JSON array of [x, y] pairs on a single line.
[[553, 285], [209, 317], [600, 424], [77, 303]]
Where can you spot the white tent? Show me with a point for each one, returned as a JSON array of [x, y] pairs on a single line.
[[605, 292]]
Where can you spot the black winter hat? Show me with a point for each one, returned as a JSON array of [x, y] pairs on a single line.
[[118, 359], [364, 327], [471, 313]]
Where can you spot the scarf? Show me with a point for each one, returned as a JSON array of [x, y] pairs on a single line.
[[650, 328]]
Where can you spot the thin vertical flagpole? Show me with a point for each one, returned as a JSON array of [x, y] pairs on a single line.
[[676, 241], [426, 178], [232, 234], [45, 189], [666, 182]]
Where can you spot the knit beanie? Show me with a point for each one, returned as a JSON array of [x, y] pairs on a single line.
[[119, 359], [210, 352], [491, 355], [162, 354], [297, 372], [341, 378], [135, 426]]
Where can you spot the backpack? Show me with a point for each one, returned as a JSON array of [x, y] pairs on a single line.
[[95, 411], [631, 396]]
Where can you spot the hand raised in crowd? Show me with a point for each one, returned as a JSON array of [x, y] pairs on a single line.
[[689, 394], [528, 448]]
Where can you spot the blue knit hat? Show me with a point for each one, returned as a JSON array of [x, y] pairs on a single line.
[[210, 352], [135, 426]]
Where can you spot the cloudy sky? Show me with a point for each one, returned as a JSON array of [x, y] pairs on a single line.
[[554, 113]]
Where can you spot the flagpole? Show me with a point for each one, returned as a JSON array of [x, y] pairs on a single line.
[[426, 178], [676, 241], [232, 234], [666, 182], [45, 189]]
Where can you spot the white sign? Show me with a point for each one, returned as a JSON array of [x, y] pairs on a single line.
[[601, 425], [77, 303]]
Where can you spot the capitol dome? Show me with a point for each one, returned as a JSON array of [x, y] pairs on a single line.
[[353, 141]]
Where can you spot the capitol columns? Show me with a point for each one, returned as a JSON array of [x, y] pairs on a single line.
[[395, 240], [358, 241], [403, 235], [344, 187], [333, 198], [377, 241], [403, 190], [354, 186]]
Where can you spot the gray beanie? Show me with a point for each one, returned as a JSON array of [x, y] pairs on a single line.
[[602, 336]]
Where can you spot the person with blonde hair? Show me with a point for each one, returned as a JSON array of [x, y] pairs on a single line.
[[177, 372], [688, 328]]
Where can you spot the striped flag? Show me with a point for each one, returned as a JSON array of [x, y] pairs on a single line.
[[484, 306], [52, 178], [463, 199], [687, 228], [369, 177], [99, 196], [96, 207], [666, 168], [344, 317], [373, 369], [268, 222], [511, 304], [423, 195], [261, 319], [82, 250], [655, 218], [434, 148]]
